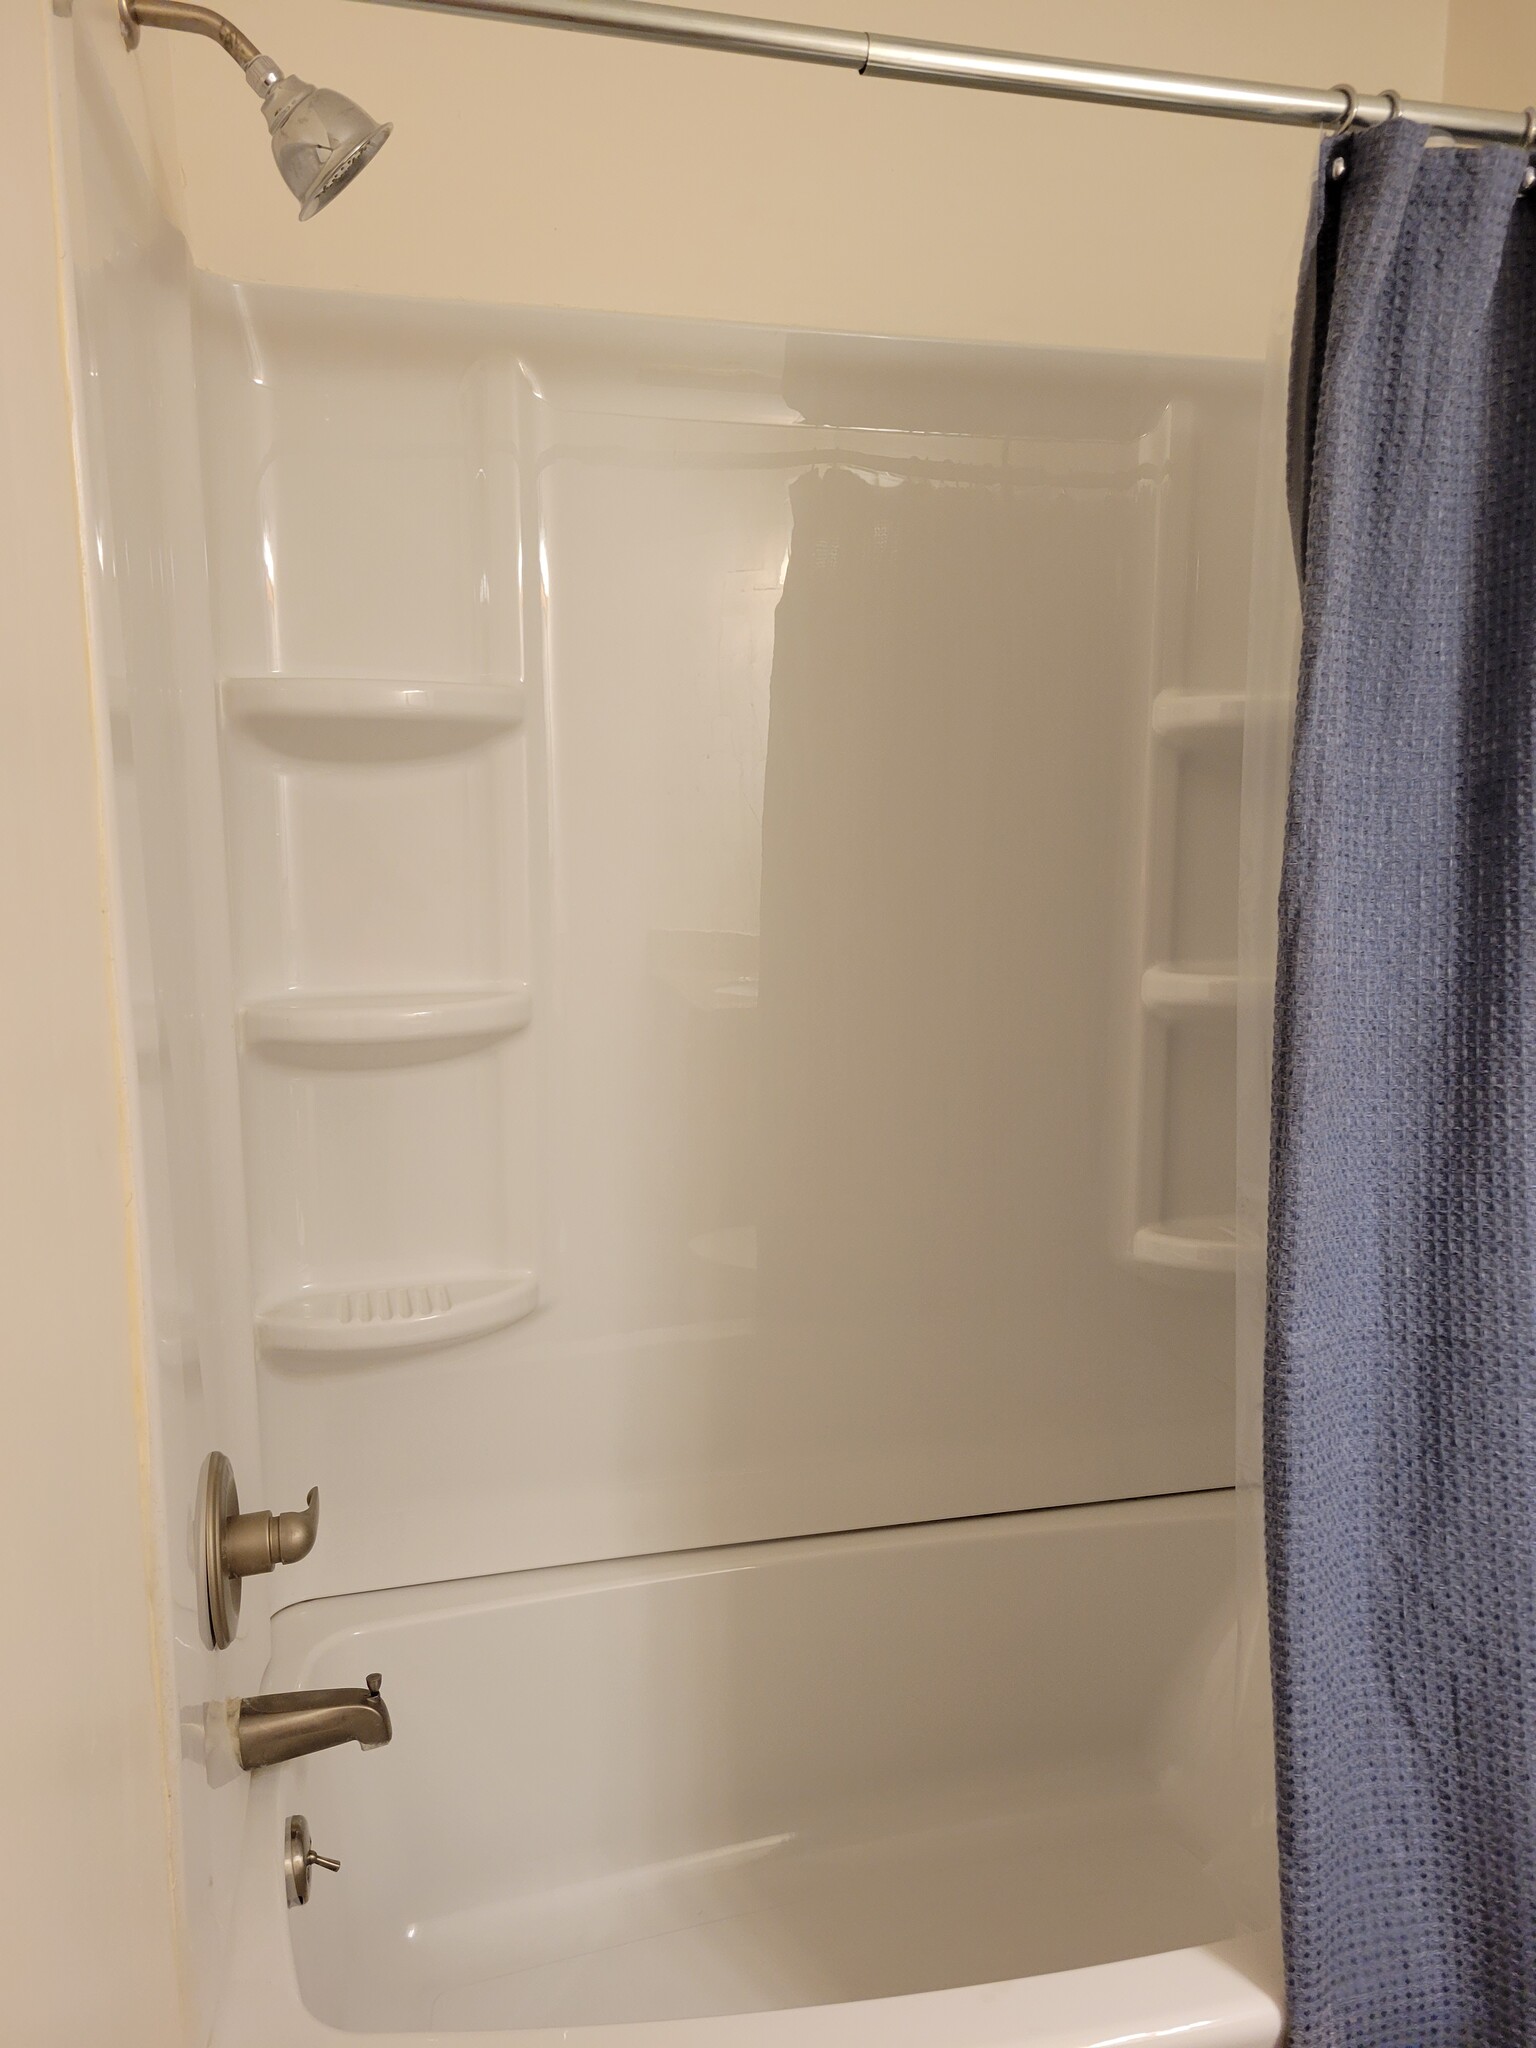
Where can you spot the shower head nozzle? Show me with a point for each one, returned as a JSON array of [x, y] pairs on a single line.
[[320, 138]]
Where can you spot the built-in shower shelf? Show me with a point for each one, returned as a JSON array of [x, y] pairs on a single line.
[[1179, 991], [735, 1246], [1190, 716], [357, 717], [1188, 1244], [704, 988], [399, 1317], [444, 1017]]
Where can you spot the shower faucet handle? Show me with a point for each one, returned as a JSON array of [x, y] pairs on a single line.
[[261, 1541], [232, 1546]]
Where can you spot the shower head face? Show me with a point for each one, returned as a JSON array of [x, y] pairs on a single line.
[[320, 138]]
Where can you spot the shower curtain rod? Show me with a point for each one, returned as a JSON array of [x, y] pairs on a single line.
[[879, 56]]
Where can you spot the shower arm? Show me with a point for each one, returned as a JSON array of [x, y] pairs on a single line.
[[879, 56], [183, 14]]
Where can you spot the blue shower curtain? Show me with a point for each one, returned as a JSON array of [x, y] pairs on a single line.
[[1400, 1406]]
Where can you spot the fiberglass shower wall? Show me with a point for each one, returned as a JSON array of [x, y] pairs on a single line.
[[731, 847]]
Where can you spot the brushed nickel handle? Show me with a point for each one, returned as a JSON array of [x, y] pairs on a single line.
[[233, 1546], [261, 1541]]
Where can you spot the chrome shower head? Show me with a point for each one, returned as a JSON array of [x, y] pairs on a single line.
[[320, 138]]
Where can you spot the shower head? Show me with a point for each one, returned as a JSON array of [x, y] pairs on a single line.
[[320, 138]]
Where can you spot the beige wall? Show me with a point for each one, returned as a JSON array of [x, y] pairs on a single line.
[[1490, 55], [544, 168]]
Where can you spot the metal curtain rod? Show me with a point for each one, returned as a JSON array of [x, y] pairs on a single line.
[[877, 56]]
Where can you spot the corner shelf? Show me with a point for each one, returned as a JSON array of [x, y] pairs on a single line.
[[444, 1017], [342, 715], [734, 1247], [705, 988], [1188, 1244], [1190, 716], [1178, 991], [403, 1317]]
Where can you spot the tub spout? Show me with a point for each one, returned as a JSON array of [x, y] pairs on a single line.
[[275, 1726]]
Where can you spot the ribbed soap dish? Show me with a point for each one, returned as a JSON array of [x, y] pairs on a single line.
[[400, 1316]]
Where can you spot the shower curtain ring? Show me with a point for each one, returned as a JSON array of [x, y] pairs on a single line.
[[1394, 101], [1527, 141], [1340, 164]]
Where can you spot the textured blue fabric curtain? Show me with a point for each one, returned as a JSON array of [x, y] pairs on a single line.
[[1400, 1409]]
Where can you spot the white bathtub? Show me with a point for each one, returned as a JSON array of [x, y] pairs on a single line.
[[968, 1784]]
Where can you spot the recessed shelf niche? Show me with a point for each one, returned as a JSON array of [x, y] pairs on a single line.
[[379, 865]]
